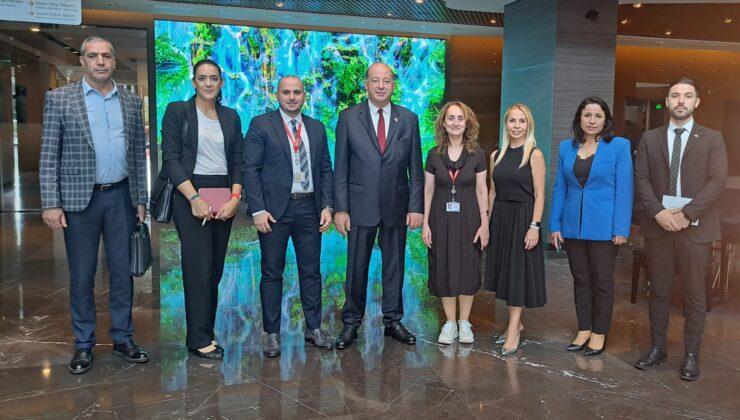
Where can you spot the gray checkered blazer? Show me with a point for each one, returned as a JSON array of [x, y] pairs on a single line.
[[67, 162]]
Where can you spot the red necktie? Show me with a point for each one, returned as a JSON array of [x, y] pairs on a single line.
[[381, 131]]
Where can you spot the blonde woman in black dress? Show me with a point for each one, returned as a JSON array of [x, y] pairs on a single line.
[[455, 216], [515, 261]]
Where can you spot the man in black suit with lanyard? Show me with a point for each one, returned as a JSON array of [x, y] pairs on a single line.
[[288, 185], [379, 187]]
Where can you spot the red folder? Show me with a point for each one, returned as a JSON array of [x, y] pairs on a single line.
[[215, 197]]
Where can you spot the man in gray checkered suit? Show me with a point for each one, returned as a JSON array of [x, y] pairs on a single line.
[[93, 183]]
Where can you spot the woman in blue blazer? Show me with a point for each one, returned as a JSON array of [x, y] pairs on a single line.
[[592, 211]]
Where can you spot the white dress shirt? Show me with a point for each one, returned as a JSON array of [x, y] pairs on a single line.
[[375, 117], [295, 155]]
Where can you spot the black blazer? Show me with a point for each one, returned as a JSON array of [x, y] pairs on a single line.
[[703, 174], [268, 171], [372, 186], [178, 153]]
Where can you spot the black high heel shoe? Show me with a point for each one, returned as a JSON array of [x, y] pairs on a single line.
[[577, 347], [593, 352]]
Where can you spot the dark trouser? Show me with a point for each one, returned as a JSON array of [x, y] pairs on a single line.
[[677, 250], [392, 240], [202, 255], [592, 266], [300, 223], [111, 214]]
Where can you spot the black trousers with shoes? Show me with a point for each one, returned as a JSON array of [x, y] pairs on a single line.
[[592, 266], [202, 253]]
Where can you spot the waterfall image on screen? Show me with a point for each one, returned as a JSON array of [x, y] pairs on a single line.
[[332, 66]]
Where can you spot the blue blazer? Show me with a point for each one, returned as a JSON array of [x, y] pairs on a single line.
[[601, 209]]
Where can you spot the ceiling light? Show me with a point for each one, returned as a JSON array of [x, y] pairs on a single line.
[[389, 14], [419, 1], [279, 4], [35, 29], [637, 5], [728, 20], [668, 32], [624, 21], [493, 20]]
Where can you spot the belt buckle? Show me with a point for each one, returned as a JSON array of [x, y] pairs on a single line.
[[105, 187]]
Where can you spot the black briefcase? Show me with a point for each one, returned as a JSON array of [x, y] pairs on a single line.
[[140, 250]]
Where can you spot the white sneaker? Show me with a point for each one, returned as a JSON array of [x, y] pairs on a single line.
[[466, 333], [448, 334]]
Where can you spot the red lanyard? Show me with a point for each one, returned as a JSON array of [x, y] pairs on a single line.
[[453, 175], [294, 141]]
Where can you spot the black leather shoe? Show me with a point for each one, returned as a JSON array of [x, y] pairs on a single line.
[[690, 368], [346, 337], [272, 346], [399, 333], [131, 352], [576, 347], [654, 357], [595, 352], [319, 338], [214, 354], [81, 362]]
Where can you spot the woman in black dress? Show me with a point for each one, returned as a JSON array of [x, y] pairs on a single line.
[[515, 261], [455, 224]]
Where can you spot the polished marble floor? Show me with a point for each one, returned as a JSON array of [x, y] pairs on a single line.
[[377, 378]]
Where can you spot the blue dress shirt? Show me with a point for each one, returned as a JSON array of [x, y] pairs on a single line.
[[106, 127]]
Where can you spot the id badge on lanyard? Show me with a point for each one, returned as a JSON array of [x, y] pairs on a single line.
[[295, 142], [453, 206]]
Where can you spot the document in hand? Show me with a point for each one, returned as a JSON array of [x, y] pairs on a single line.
[[674, 202]]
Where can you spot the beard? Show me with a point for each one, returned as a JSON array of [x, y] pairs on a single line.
[[682, 114]]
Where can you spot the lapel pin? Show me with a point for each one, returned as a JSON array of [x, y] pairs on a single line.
[[696, 135], [395, 119]]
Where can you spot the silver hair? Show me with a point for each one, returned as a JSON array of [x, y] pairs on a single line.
[[96, 38]]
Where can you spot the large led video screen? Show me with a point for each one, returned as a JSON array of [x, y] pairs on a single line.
[[332, 66]]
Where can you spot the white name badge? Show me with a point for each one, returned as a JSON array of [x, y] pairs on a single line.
[[299, 176], [453, 207]]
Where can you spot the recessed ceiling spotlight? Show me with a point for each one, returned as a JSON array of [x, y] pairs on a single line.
[[419, 1], [389, 14], [624, 21], [728, 20], [637, 5], [279, 4], [493, 20], [35, 29], [668, 32]]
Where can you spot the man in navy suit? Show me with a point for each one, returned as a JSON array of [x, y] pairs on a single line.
[[378, 187], [93, 182], [288, 184]]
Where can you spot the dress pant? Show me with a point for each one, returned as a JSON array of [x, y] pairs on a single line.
[[111, 214], [676, 251], [300, 222], [592, 266], [202, 255], [392, 241]]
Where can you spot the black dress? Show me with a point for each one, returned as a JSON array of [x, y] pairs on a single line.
[[454, 261], [515, 274]]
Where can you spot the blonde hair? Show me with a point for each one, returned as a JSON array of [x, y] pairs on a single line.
[[472, 128], [529, 141]]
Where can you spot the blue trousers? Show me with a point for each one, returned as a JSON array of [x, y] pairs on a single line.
[[110, 214]]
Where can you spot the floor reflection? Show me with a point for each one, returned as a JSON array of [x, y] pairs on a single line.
[[239, 323]]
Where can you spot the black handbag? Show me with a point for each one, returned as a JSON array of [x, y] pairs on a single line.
[[161, 201], [140, 250]]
